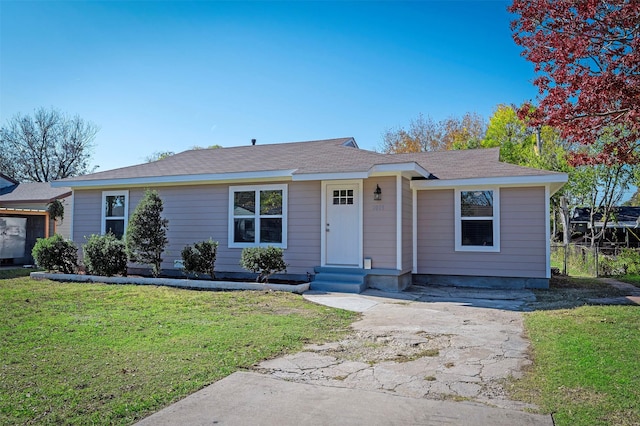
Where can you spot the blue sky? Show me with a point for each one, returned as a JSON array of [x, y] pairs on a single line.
[[165, 76]]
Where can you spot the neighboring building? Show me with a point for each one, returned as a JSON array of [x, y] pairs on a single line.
[[454, 217], [623, 226], [24, 217]]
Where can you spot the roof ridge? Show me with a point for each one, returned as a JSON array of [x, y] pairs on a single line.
[[335, 141]]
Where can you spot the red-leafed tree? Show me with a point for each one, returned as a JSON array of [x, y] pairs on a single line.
[[587, 56]]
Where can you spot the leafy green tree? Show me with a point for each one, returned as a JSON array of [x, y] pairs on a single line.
[[463, 133], [146, 235], [511, 134], [424, 134], [158, 155], [541, 148], [601, 187]]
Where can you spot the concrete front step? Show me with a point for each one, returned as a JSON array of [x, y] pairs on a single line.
[[339, 277], [332, 286], [344, 280]]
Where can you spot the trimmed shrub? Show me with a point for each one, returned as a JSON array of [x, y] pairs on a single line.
[[105, 255], [201, 258], [265, 261], [146, 234], [56, 254]]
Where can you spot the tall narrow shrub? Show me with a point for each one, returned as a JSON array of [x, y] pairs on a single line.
[[146, 235]]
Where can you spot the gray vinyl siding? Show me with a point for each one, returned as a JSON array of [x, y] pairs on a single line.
[[303, 248], [86, 214], [407, 225], [379, 228], [522, 236], [63, 227], [200, 212]]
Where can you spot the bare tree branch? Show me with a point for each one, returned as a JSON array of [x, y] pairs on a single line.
[[46, 146]]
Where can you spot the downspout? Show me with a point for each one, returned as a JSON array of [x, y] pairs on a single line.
[[399, 238], [547, 230], [414, 230]]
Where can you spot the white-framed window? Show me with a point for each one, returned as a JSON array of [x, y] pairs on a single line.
[[477, 219], [115, 212], [258, 216]]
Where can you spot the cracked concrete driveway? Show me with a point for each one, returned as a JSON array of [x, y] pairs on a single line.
[[435, 343], [430, 356]]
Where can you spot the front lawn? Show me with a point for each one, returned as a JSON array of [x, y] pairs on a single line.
[[101, 354], [586, 362]]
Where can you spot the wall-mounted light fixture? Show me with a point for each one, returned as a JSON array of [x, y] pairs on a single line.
[[377, 194]]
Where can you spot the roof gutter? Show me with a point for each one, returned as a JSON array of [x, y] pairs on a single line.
[[177, 180], [555, 181]]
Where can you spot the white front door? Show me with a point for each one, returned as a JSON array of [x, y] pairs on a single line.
[[342, 228]]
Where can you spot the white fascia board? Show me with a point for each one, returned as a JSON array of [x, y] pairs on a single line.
[[410, 169], [330, 176], [179, 180], [555, 181]]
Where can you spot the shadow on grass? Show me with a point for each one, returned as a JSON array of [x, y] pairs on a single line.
[[17, 272], [569, 292]]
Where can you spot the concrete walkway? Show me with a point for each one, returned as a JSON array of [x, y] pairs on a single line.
[[631, 294], [424, 357]]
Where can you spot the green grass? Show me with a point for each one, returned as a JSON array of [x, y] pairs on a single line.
[[586, 363], [99, 354], [631, 279], [578, 264]]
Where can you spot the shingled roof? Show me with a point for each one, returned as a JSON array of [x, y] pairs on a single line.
[[33, 192], [306, 160]]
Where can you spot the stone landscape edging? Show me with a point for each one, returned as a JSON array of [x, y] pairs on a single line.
[[171, 282]]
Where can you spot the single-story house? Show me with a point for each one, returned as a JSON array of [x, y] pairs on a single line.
[[348, 217], [623, 226], [24, 217]]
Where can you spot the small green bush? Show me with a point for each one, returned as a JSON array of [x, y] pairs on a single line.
[[607, 266], [201, 258], [265, 261], [625, 262], [56, 254], [105, 255], [629, 260]]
